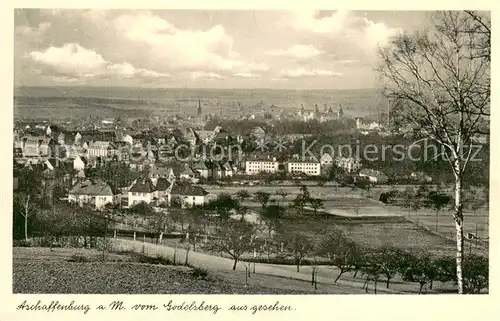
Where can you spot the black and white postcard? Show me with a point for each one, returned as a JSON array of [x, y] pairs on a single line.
[[300, 160]]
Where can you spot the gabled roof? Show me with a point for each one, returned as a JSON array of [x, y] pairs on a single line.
[[93, 188], [188, 190], [200, 166], [160, 171], [162, 184], [102, 145], [187, 171], [144, 185]]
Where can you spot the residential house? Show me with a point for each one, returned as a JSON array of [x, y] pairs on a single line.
[[349, 164], [214, 169], [227, 168], [187, 195], [96, 193], [102, 149], [326, 160], [124, 149], [374, 176], [162, 186], [124, 138], [190, 137], [421, 177], [140, 164], [205, 136], [203, 170], [143, 190], [258, 132], [157, 172], [79, 163], [61, 139], [78, 139], [188, 174]]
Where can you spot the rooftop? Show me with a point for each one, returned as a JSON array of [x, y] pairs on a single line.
[[143, 186], [188, 190], [96, 188]]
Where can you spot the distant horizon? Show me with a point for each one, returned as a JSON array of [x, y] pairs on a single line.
[[195, 88]]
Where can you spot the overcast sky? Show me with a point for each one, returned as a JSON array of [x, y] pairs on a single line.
[[204, 49]]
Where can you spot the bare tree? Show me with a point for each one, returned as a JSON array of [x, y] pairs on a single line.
[[262, 198], [28, 206], [233, 238], [316, 204], [299, 245], [282, 193], [439, 81]]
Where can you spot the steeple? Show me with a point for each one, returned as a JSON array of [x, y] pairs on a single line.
[[340, 113], [316, 109], [302, 109], [199, 108]]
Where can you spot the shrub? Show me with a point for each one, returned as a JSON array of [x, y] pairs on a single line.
[[21, 243], [78, 258], [158, 260], [475, 273], [199, 273]]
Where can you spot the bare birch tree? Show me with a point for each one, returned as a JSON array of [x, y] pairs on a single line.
[[439, 82]]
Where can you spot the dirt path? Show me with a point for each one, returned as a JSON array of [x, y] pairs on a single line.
[[326, 275]]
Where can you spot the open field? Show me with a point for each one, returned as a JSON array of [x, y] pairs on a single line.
[[343, 201], [41, 270]]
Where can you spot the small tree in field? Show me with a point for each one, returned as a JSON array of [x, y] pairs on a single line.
[[29, 197], [27, 205], [341, 252], [299, 245], [196, 217], [371, 271], [389, 260], [243, 195], [282, 193], [445, 269], [223, 205], [476, 273], [417, 268], [437, 202], [233, 238], [411, 201], [316, 204], [439, 82], [271, 216], [262, 198]]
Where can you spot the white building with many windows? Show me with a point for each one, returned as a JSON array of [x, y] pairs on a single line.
[[101, 149], [309, 168], [263, 165]]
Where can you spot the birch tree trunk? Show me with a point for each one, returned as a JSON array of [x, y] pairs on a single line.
[[459, 227], [26, 215]]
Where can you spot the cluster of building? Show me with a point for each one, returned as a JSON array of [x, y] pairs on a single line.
[[162, 178]]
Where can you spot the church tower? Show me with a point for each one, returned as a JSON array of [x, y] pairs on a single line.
[[199, 108]]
